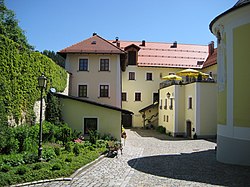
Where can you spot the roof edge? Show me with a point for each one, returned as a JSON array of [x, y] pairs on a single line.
[[93, 103], [226, 12]]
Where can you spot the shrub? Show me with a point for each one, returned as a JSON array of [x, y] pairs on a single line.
[[93, 136], [76, 150], [107, 137], [30, 158], [11, 146], [48, 154], [13, 160], [5, 168], [68, 147], [161, 129], [68, 159], [100, 143], [37, 166], [57, 151], [21, 133], [21, 170], [64, 133], [30, 144], [56, 166]]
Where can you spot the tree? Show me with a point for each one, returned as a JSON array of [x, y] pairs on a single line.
[[55, 57], [9, 27]]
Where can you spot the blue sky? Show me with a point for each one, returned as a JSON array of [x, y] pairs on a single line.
[[56, 24]]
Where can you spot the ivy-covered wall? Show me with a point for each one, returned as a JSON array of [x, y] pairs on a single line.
[[19, 70]]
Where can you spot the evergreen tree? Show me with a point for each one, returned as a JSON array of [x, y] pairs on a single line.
[[9, 27], [55, 57]]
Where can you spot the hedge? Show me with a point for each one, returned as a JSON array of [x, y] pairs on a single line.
[[20, 69]]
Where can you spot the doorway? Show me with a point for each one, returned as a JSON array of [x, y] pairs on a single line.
[[188, 129], [127, 120]]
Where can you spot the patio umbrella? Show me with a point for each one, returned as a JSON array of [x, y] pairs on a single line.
[[188, 72], [172, 77], [204, 75]]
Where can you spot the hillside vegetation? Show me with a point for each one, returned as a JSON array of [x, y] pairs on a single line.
[[20, 67]]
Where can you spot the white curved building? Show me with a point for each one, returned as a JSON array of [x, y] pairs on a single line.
[[232, 29]]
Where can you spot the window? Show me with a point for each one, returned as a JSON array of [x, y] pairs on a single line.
[[167, 118], [137, 96], [104, 65], [82, 90], [161, 104], [131, 76], [90, 124], [104, 90], [132, 58], [155, 97], [124, 96], [171, 104], [190, 103], [166, 104], [83, 64], [149, 76]]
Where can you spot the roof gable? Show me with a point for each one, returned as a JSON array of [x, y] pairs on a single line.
[[132, 46], [211, 60], [94, 44]]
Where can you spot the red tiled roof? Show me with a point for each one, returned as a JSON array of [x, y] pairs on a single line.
[[155, 54], [94, 44], [211, 60]]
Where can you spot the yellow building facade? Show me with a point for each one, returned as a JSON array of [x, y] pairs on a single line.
[[189, 109], [84, 115], [232, 30]]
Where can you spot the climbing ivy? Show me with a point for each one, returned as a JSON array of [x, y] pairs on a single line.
[[19, 69]]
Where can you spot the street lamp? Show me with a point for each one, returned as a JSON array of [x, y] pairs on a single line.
[[41, 84]]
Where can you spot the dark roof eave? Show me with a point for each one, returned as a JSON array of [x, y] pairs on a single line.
[[148, 107], [94, 103], [224, 13]]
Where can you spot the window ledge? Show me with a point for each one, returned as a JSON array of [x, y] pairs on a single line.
[[104, 71], [82, 71]]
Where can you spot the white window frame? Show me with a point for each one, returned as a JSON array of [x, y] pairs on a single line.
[[134, 73], [152, 75], [99, 89], [134, 96], [78, 63], [126, 97], [84, 117], [104, 57], [79, 84]]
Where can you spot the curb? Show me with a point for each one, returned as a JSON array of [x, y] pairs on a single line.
[[42, 181], [77, 172]]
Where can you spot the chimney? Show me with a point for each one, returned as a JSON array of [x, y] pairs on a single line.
[[118, 44], [211, 48], [174, 45], [94, 33], [143, 43]]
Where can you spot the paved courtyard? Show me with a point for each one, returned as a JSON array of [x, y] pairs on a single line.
[[151, 159]]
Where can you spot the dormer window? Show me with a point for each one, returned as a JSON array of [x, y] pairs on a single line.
[[132, 58], [132, 51]]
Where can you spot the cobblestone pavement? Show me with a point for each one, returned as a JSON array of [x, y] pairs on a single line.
[[150, 161]]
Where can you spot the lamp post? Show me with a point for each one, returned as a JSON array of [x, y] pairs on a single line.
[[41, 84]]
